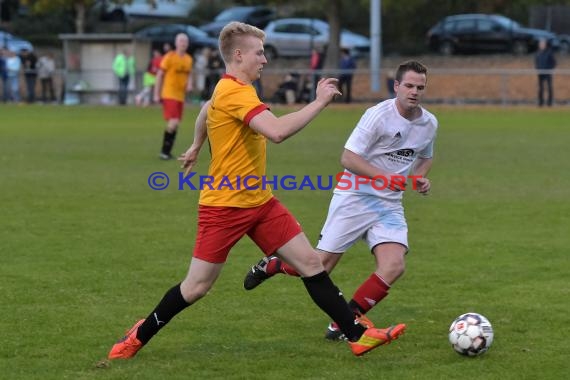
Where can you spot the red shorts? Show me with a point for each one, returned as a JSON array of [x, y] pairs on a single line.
[[270, 226], [172, 109]]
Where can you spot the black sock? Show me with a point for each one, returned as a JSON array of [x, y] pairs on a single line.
[[329, 298], [168, 141], [356, 307], [171, 304]]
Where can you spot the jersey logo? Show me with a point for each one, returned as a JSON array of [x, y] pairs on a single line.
[[405, 152], [398, 135]]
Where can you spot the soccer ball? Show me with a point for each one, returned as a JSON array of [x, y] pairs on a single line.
[[471, 334]]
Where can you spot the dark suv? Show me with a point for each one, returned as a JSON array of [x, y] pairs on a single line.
[[485, 33]]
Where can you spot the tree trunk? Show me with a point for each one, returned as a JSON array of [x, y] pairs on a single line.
[[80, 18], [333, 50]]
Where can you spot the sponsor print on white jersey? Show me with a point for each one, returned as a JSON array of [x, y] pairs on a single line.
[[390, 142]]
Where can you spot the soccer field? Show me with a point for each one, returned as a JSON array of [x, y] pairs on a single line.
[[87, 248]]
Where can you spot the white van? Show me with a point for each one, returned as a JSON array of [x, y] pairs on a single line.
[[144, 8]]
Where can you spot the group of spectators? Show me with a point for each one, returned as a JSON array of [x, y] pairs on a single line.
[[296, 88], [13, 65]]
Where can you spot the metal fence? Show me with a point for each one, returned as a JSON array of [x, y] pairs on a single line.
[[445, 86], [469, 86]]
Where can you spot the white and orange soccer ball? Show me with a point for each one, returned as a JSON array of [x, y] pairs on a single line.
[[471, 334]]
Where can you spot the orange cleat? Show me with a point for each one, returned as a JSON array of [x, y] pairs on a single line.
[[364, 321], [374, 337], [128, 346], [334, 333]]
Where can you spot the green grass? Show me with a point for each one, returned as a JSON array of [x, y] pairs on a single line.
[[87, 248]]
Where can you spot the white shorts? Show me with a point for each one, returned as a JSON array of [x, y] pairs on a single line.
[[352, 217]]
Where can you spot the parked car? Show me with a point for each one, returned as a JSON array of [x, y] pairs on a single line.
[[142, 8], [10, 42], [295, 37], [258, 16], [161, 33], [564, 43], [485, 33]]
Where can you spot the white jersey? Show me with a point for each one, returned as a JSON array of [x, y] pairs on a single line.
[[389, 142]]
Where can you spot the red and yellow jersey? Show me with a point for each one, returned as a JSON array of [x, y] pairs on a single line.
[[237, 166], [177, 71]]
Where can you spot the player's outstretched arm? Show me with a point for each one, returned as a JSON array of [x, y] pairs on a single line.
[[278, 129]]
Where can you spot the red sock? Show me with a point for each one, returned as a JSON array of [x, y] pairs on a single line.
[[370, 292], [277, 266]]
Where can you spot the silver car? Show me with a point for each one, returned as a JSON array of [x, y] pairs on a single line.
[[13, 43], [295, 37], [117, 11]]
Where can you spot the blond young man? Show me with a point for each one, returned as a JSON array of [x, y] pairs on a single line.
[[237, 125]]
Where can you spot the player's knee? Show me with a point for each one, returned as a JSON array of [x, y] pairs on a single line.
[[391, 271], [401, 269], [310, 265], [329, 260], [397, 269], [192, 292]]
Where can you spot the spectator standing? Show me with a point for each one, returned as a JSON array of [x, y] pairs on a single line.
[[124, 69], [29, 63], [166, 47], [544, 62], [149, 79], [258, 88], [13, 68], [201, 69], [46, 71], [390, 84], [347, 66], [215, 68], [4, 75], [316, 64]]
